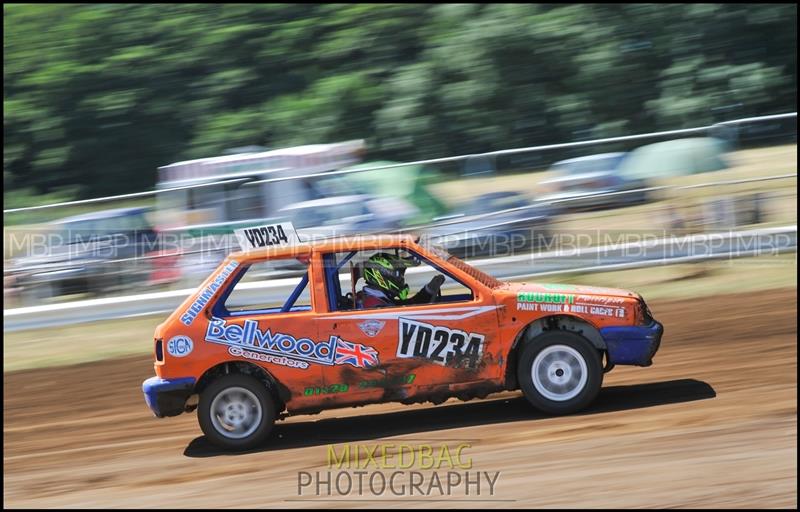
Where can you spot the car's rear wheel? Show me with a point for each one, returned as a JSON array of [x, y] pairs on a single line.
[[236, 412], [560, 372]]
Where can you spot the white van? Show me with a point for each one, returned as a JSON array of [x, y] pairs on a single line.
[[226, 189]]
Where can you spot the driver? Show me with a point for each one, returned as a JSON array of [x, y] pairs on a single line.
[[386, 285]]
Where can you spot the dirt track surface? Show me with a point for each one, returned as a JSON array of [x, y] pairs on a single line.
[[713, 423]]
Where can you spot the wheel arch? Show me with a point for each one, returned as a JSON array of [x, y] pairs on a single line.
[[563, 322], [280, 392]]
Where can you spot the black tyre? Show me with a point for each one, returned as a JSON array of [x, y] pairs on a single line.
[[236, 412], [560, 372]]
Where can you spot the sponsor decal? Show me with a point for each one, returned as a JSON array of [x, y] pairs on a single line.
[[593, 309], [385, 382], [441, 345], [371, 327], [543, 301], [180, 346], [333, 351], [326, 390], [389, 381], [267, 358], [269, 235], [545, 297], [600, 299], [202, 299]]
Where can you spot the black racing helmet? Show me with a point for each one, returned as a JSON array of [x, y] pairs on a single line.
[[387, 273]]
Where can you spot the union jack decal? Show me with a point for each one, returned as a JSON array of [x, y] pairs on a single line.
[[356, 354]]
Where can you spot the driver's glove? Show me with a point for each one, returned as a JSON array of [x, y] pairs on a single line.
[[435, 283]]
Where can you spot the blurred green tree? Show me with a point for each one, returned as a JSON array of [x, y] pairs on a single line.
[[96, 97]]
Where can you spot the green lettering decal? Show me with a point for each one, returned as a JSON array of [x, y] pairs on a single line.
[[546, 298], [391, 381], [327, 390]]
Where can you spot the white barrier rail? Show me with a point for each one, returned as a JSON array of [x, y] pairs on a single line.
[[432, 160], [538, 148], [593, 259], [121, 196]]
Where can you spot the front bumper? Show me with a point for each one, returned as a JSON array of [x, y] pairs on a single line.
[[633, 344], [167, 397]]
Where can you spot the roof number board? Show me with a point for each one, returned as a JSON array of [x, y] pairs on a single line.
[[269, 235]]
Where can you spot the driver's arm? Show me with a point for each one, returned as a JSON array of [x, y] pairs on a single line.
[[428, 292]]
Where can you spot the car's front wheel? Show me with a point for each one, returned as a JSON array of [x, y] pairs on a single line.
[[560, 372], [236, 412]]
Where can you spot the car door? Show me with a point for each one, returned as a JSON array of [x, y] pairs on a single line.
[[392, 353], [256, 323]]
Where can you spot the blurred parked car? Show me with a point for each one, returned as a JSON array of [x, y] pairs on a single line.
[[580, 181], [470, 232], [80, 253]]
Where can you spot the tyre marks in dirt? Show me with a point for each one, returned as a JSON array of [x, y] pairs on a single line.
[[712, 423]]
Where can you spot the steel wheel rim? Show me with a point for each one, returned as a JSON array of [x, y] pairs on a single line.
[[559, 373], [236, 412]]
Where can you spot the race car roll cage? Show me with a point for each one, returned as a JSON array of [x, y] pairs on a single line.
[[332, 287]]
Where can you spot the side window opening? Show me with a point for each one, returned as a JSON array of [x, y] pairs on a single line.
[[344, 269], [249, 295]]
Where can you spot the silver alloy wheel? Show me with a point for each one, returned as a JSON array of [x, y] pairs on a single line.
[[559, 373], [236, 412]]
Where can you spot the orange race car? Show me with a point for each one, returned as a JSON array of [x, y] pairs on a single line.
[[245, 348]]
